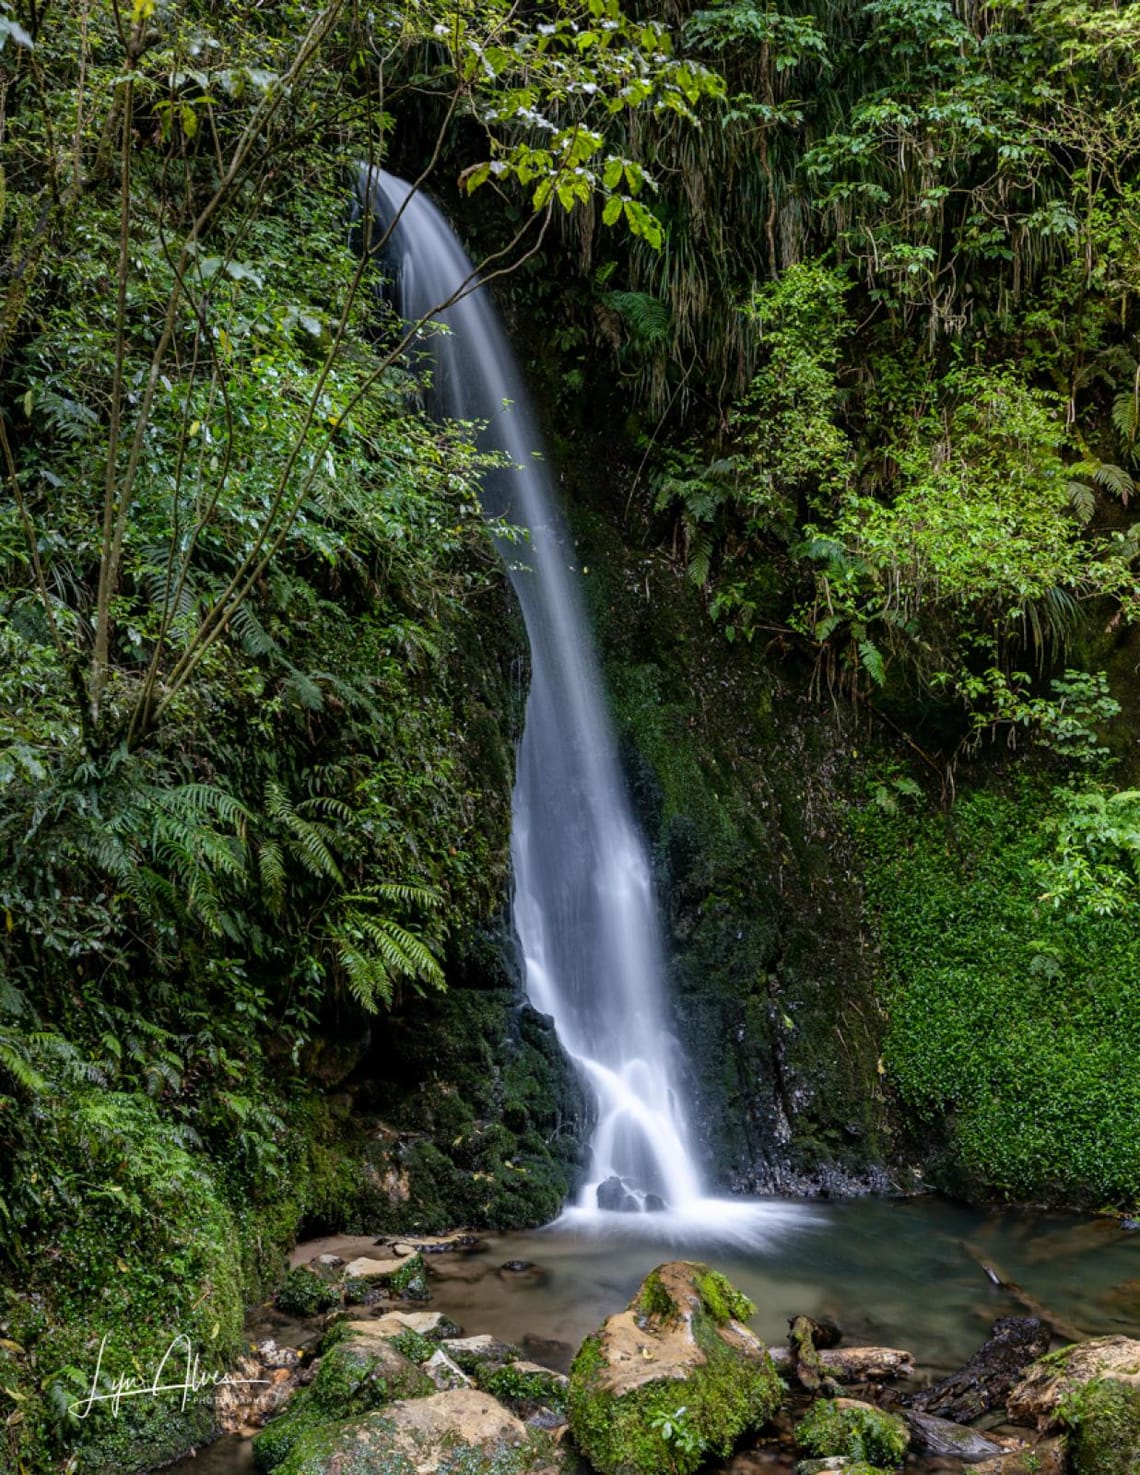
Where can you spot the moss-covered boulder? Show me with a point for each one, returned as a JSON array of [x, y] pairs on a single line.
[[1103, 1420], [854, 1430], [357, 1374], [1052, 1382], [460, 1432], [672, 1379]]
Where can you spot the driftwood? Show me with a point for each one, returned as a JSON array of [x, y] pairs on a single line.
[[1066, 1330], [987, 1378], [805, 1338], [854, 1364]]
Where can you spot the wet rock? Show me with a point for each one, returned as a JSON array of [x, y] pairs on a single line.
[[682, 1338], [271, 1355], [444, 1373], [984, 1381], [329, 1261], [654, 1203], [934, 1436], [518, 1267], [460, 1242], [613, 1196], [1036, 1398]]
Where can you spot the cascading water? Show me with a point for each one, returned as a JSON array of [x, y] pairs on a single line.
[[584, 909]]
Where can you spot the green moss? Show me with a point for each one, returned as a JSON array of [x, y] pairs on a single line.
[[364, 1447], [510, 1385], [721, 1299], [1014, 1025], [653, 1299], [305, 1294], [412, 1345], [858, 1433], [411, 1280], [1103, 1419]]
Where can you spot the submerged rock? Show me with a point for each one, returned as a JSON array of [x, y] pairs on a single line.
[[677, 1359], [984, 1381]]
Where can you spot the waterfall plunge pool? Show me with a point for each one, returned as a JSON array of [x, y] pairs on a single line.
[[894, 1272]]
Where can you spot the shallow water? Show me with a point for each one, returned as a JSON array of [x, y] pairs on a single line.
[[903, 1273]]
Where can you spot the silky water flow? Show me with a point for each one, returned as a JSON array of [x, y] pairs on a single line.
[[584, 908]]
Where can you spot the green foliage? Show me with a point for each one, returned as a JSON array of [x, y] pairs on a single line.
[[858, 1433], [1094, 862], [721, 1299], [1011, 1018]]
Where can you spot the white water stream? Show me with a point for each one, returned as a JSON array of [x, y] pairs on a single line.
[[584, 909]]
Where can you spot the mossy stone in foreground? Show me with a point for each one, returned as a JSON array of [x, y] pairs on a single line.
[[1103, 1419], [673, 1379], [858, 1431], [356, 1375]]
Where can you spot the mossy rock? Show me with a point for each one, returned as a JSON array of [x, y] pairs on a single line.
[[304, 1293], [673, 1379], [1103, 1420], [858, 1431], [460, 1432], [356, 1376]]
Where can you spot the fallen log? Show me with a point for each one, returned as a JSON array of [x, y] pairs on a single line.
[[854, 1364]]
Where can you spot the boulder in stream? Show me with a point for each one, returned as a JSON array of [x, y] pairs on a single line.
[[673, 1378], [358, 1373], [613, 1196], [462, 1429], [1051, 1381], [1092, 1390]]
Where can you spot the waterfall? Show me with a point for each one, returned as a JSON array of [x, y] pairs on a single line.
[[584, 909]]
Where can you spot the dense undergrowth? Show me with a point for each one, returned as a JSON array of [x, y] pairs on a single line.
[[1014, 1016]]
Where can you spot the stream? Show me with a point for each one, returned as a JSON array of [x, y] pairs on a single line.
[[905, 1273]]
